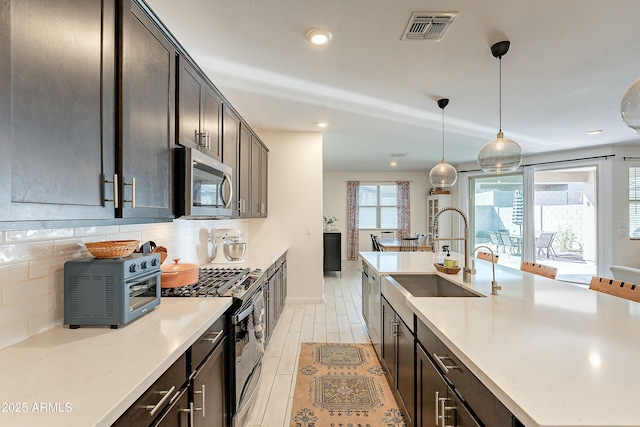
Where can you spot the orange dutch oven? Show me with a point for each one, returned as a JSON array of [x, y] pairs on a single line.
[[176, 275]]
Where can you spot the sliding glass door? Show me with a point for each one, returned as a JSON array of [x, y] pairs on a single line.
[[566, 221], [497, 216], [547, 215]]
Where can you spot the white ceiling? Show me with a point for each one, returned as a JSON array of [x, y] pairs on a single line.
[[569, 65]]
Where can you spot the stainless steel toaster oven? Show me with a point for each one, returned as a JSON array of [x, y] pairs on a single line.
[[110, 291]]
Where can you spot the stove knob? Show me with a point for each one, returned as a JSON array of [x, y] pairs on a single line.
[[133, 268], [143, 265], [154, 262]]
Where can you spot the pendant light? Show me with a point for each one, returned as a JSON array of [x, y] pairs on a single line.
[[501, 154], [443, 174], [630, 106]]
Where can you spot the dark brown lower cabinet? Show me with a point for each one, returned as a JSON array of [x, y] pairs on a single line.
[[438, 405], [208, 390], [398, 356], [177, 415]]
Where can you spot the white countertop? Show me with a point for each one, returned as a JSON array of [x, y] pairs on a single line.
[[90, 376], [256, 257], [553, 353]]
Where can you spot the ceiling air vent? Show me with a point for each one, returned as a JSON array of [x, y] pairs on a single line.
[[428, 25], [398, 154]]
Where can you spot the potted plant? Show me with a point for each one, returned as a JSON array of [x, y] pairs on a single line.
[[328, 222]]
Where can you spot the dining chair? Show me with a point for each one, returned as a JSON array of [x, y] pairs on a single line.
[[387, 235], [375, 244], [539, 269], [409, 244]]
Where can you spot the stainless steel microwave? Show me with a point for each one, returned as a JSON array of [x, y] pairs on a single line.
[[204, 186]]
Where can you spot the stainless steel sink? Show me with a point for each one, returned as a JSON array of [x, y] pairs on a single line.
[[431, 285]]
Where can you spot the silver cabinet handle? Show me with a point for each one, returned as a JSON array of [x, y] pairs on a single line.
[[155, 408], [437, 405], [190, 411], [202, 392], [115, 190], [440, 361], [133, 192], [214, 337], [444, 410]]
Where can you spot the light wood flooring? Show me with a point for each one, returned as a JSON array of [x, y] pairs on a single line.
[[339, 319]]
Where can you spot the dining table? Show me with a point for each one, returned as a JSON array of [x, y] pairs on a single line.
[[394, 245]]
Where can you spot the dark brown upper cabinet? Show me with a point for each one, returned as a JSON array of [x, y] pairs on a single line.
[[230, 151], [199, 111], [147, 116], [252, 165], [57, 110]]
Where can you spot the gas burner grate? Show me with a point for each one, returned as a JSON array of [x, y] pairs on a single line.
[[212, 282]]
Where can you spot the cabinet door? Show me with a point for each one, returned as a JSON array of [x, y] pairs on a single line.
[[256, 154], [375, 319], [405, 355], [272, 311], [264, 169], [148, 88], [177, 415], [365, 296], [57, 95], [244, 166], [389, 342], [211, 122], [190, 88], [230, 151], [210, 394], [431, 389]]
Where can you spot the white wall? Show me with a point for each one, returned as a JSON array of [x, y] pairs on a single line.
[[335, 199], [295, 209]]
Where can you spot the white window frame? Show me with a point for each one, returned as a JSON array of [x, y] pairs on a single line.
[[378, 206]]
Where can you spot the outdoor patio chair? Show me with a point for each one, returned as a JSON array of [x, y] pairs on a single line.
[[507, 243], [493, 238], [544, 242]]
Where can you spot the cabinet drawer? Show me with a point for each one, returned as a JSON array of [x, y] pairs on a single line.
[[155, 397], [207, 342], [481, 401]]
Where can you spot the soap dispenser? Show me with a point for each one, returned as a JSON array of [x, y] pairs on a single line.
[[443, 254], [448, 261]]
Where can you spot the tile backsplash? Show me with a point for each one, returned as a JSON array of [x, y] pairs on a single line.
[[32, 265]]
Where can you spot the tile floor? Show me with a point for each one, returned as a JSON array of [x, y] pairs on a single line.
[[339, 319]]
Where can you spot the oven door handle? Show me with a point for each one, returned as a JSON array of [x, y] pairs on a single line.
[[242, 315], [144, 278]]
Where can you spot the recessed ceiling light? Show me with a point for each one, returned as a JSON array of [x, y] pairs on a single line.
[[318, 36], [594, 132], [393, 164], [322, 124]]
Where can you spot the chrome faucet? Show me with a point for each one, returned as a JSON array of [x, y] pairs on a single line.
[[466, 271], [494, 286]]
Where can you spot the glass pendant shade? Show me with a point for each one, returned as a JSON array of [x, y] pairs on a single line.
[[630, 106], [443, 175], [500, 155]]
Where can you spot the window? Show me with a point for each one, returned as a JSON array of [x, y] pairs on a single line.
[[378, 206], [634, 202]]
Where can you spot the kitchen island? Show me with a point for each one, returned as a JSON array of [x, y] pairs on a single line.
[[90, 376], [555, 354]]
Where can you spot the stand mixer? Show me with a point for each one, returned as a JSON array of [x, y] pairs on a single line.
[[227, 246]]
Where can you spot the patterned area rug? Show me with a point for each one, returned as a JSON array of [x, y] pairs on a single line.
[[342, 385]]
